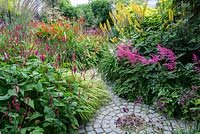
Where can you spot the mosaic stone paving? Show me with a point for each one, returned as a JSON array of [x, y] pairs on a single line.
[[104, 121]]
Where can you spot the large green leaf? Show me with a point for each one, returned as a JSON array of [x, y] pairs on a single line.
[[10, 93], [24, 130], [34, 116], [48, 111], [39, 87], [5, 97], [37, 131]]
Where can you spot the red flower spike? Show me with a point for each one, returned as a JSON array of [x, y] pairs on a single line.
[[14, 101], [73, 57], [10, 119], [42, 57], [47, 48], [74, 69], [17, 107], [9, 106], [6, 114]]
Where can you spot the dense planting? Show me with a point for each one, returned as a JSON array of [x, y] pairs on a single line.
[[45, 85], [150, 55], [159, 78], [163, 74]]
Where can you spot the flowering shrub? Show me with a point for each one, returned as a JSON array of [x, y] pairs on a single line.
[[128, 52], [55, 42], [41, 90], [68, 38], [157, 76]]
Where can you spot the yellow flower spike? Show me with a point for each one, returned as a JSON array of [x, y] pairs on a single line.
[[117, 17], [108, 25], [144, 9], [117, 28], [130, 20], [137, 29], [102, 28], [114, 39], [137, 24], [167, 27], [111, 16], [105, 27], [171, 15]]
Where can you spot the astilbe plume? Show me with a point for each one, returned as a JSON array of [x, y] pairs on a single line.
[[197, 63], [126, 51], [169, 56]]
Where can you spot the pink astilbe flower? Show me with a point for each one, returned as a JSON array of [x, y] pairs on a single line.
[[195, 58], [197, 61], [169, 56], [154, 59], [125, 51], [170, 66], [141, 59], [131, 57], [128, 52], [197, 68], [122, 51]]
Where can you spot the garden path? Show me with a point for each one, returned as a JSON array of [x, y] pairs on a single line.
[[105, 118]]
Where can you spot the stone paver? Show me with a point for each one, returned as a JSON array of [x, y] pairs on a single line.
[[104, 120]]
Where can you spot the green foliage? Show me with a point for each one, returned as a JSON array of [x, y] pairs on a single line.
[[183, 38], [101, 10], [94, 13], [41, 91], [87, 12], [165, 89], [37, 98], [68, 10]]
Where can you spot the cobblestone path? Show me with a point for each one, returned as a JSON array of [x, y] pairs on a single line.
[[104, 120]]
